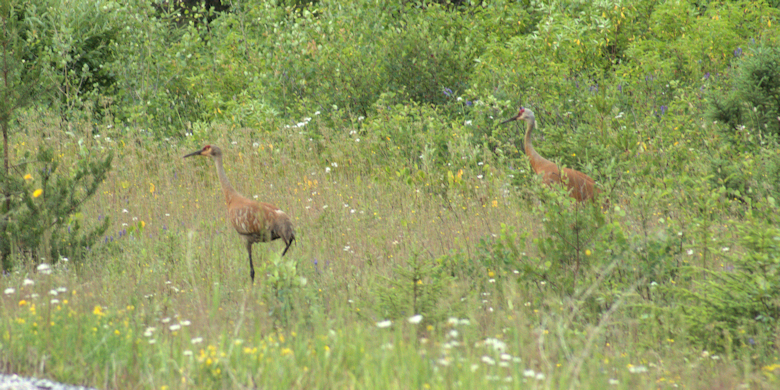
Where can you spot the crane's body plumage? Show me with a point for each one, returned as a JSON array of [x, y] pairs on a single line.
[[254, 221], [580, 186]]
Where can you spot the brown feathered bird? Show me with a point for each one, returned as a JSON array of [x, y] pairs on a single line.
[[254, 221], [581, 187]]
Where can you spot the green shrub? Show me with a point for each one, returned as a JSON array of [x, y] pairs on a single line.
[[70, 43], [753, 105], [44, 220], [419, 287]]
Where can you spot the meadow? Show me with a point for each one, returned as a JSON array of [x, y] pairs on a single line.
[[427, 253]]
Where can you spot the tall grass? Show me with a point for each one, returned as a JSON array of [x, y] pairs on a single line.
[[166, 302]]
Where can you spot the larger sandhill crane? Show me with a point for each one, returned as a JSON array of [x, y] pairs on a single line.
[[254, 221], [580, 185]]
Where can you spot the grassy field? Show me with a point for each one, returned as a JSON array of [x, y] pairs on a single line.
[[168, 304], [428, 254]]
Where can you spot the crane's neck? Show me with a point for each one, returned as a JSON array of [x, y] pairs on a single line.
[[529, 147], [537, 161], [227, 189]]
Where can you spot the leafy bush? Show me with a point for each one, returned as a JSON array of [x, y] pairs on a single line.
[[70, 43], [754, 102]]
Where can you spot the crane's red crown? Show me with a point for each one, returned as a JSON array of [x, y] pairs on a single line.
[[201, 152]]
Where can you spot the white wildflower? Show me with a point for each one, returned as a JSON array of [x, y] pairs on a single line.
[[415, 319], [383, 324], [44, 269], [637, 369]]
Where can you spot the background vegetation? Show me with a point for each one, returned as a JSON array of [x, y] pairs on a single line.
[[429, 255]]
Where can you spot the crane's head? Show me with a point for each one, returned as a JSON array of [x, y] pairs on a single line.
[[208, 150], [524, 114]]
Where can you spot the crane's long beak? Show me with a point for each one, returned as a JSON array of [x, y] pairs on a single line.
[[196, 153], [508, 120]]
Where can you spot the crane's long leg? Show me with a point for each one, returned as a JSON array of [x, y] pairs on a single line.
[[288, 246], [251, 266]]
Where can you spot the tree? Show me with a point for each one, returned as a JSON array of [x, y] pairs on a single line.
[[37, 214]]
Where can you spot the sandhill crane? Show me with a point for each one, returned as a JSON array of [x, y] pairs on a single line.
[[254, 221], [580, 185]]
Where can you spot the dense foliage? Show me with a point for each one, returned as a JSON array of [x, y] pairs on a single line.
[[673, 107]]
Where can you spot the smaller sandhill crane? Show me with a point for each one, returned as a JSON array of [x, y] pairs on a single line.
[[254, 221], [580, 185]]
